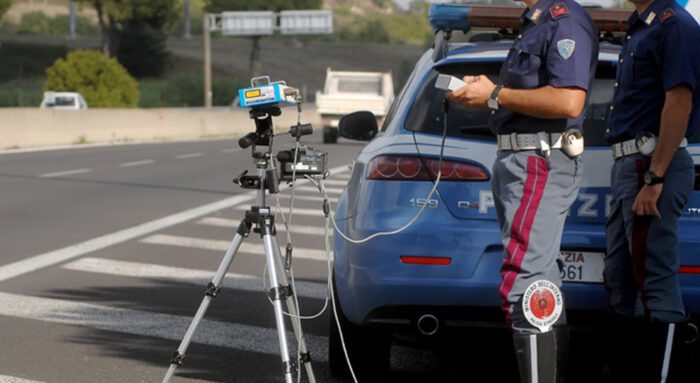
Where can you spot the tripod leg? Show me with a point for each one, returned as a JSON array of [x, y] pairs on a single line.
[[212, 290], [277, 293], [296, 322]]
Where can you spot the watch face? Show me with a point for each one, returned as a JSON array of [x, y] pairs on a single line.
[[493, 104], [648, 178]]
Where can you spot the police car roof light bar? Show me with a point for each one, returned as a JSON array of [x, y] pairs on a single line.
[[463, 17], [446, 18]]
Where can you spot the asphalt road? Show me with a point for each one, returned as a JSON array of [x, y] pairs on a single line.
[[105, 252]]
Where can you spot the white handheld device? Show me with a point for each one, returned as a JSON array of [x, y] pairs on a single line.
[[449, 83]]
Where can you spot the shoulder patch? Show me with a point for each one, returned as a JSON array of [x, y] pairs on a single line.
[[667, 14], [566, 48], [558, 10]]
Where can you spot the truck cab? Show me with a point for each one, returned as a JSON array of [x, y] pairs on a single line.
[[347, 92]]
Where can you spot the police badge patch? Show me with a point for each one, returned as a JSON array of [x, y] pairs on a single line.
[[566, 48]]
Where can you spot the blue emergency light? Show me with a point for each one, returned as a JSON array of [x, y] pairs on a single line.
[[450, 17]]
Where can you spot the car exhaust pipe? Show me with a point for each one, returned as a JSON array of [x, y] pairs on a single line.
[[428, 325]]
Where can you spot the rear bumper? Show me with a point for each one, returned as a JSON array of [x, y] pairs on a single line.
[[372, 282]]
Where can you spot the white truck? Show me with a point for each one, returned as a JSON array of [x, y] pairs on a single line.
[[347, 92]]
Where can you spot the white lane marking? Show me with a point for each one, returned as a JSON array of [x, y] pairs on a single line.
[[307, 198], [335, 182], [231, 150], [136, 163], [231, 223], [297, 211], [51, 258], [67, 253], [12, 379], [65, 173], [189, 155], [215, 245], [183, 275], [165, 326], [313, 189]]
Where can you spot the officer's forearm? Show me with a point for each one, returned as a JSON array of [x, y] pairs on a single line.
[[674, 123], [545, 102]]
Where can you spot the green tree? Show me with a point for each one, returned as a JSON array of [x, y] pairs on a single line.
[[101, 80], [113, 15], [217, 6], [4, 6]]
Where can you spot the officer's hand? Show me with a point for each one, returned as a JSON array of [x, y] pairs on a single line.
[[475, 94], [647, 201]]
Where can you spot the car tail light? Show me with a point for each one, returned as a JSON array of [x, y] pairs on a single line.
[[408, 168], [426, 261], [697, 177], [690, 270]]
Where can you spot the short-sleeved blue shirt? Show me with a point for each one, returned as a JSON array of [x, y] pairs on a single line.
[[557, 46], [661, 51]]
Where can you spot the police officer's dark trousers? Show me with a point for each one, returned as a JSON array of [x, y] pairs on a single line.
[[533, 196], [641, 274]]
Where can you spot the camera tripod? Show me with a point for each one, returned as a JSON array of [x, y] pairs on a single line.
[[261, 219]]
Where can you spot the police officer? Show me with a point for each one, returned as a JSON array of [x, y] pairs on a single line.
[[538, 108], [653, 112]]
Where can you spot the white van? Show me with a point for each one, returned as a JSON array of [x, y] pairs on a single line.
[[63, 101]]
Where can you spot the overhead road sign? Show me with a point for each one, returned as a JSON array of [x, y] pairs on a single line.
[[263, 23], [306, 22], [245, 23]]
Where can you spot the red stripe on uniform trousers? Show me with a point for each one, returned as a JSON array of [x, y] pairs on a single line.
[[640, 234], [522, 226]]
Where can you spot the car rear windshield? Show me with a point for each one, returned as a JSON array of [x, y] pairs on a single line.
[[62, 101], [372, 85], [426, 115]]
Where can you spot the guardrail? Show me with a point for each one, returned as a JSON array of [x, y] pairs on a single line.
[[33, 127]]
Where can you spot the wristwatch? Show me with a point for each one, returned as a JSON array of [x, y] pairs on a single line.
[[493, 102], [652, 179]]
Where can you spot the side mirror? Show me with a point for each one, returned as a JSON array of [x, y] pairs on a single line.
[[359, 126]]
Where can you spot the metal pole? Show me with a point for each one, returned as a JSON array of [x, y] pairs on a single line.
[[188, 20], [207, 62], [72, 19]]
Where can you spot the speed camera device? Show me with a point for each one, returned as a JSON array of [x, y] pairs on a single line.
[[263, 93]]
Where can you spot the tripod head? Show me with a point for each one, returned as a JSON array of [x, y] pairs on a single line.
[[263, 127]]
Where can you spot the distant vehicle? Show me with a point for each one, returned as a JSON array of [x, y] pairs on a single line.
[[63, 101], [347, 92]]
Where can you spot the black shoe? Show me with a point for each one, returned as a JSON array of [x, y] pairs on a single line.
[[621, 347], [669, 353], [542, 358]]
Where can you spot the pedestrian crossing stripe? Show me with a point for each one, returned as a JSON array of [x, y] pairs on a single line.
[[190, 276], [12, 379], [296, 229], [216, 245], [165, 326]]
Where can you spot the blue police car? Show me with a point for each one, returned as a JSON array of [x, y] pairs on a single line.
[[443, 272]]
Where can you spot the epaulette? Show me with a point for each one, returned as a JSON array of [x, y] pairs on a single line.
[[558, 10], [667, 14]]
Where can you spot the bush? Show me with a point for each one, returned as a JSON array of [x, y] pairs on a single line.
[[37, 23], [21, 93], [101, 80], [188, 90]]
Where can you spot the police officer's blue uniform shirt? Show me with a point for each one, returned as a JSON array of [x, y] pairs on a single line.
[[661, 51], [557, 46]]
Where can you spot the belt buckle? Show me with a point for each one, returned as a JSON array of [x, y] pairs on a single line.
[[514, 146]]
